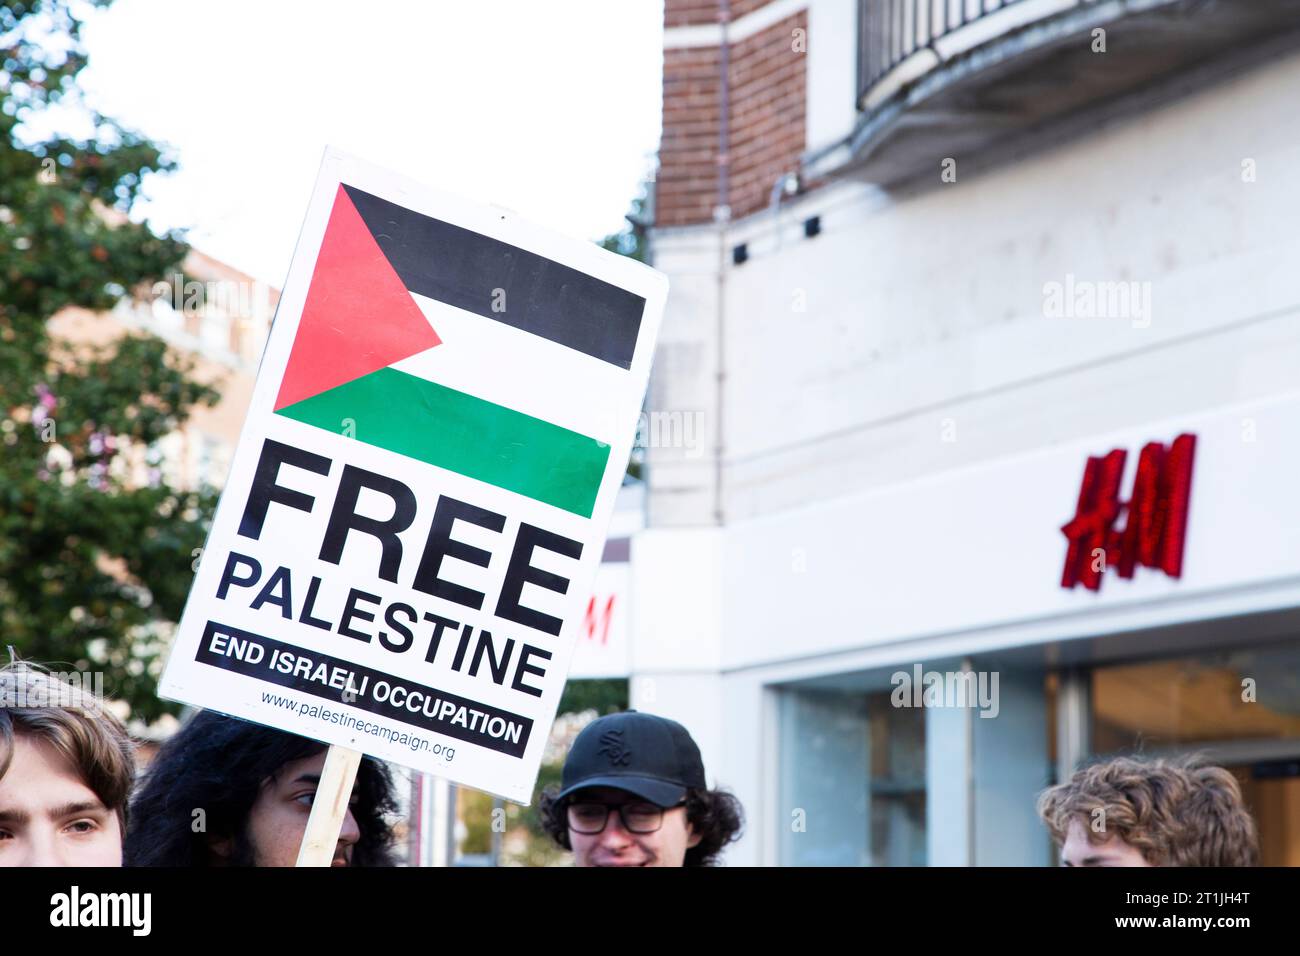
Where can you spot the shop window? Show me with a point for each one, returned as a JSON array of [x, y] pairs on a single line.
[[1243, 695], [1239, 709], [851, 780]]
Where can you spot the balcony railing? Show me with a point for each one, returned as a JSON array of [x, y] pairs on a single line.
[[891, 31], [987, 78]]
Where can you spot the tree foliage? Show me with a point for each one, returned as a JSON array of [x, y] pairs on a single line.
[[94, 562]]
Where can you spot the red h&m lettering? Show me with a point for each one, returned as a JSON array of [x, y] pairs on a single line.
[[1155, 528], [594, 623]]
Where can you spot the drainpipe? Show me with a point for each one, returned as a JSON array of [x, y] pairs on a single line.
[[722, 216], [787, 184]]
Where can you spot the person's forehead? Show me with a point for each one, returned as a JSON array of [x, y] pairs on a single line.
[[1079, 842], [1077, 835], [304, 771], [290, 772], [607, 795], [40, 777]]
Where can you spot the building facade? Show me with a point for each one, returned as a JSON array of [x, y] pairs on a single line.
[[213, 315], [934, 264]]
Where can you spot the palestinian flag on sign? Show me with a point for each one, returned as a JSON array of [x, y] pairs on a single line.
[[421, 334]]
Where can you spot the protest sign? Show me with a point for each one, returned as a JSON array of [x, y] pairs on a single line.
[[406, 545]]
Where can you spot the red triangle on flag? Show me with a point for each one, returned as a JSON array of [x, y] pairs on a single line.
[[359, 316]]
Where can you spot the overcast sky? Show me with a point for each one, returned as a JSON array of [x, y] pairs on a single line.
[[548, 107]]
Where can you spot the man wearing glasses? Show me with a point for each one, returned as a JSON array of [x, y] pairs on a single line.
[[633, 793]]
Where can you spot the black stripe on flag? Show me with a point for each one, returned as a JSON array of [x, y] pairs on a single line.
[[465, 269]]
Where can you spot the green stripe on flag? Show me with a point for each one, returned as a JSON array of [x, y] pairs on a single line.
[[476, 438]]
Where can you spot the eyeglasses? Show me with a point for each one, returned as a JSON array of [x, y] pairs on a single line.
[[589, 818]]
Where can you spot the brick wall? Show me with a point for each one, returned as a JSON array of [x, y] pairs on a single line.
[[767, 79], [686, 187], [741, 7], [768, 101], [684, 13]]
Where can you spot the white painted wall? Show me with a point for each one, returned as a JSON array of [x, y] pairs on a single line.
[[931, 308], [853, 534], [980, 548], [676, 587], [603, 648], [832, 72], [925, 320]]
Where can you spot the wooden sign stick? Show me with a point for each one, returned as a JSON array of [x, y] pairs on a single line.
[[330, 807]]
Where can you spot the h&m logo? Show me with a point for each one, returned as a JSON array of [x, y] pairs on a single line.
[[1155, 525]]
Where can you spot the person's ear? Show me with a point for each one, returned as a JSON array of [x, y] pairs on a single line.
[[693, 837]]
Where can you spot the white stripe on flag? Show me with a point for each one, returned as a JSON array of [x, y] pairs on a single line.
[[525, 372]]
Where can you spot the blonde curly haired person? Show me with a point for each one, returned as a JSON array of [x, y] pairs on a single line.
[[1131, 812]]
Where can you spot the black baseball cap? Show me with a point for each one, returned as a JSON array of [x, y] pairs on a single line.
[[652, 757]]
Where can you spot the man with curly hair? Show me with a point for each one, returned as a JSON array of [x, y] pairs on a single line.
[[228, 792], [1129, 812], [633, 793]]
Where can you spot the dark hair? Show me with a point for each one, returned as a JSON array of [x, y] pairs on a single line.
[[716, 814], [220, 764]]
